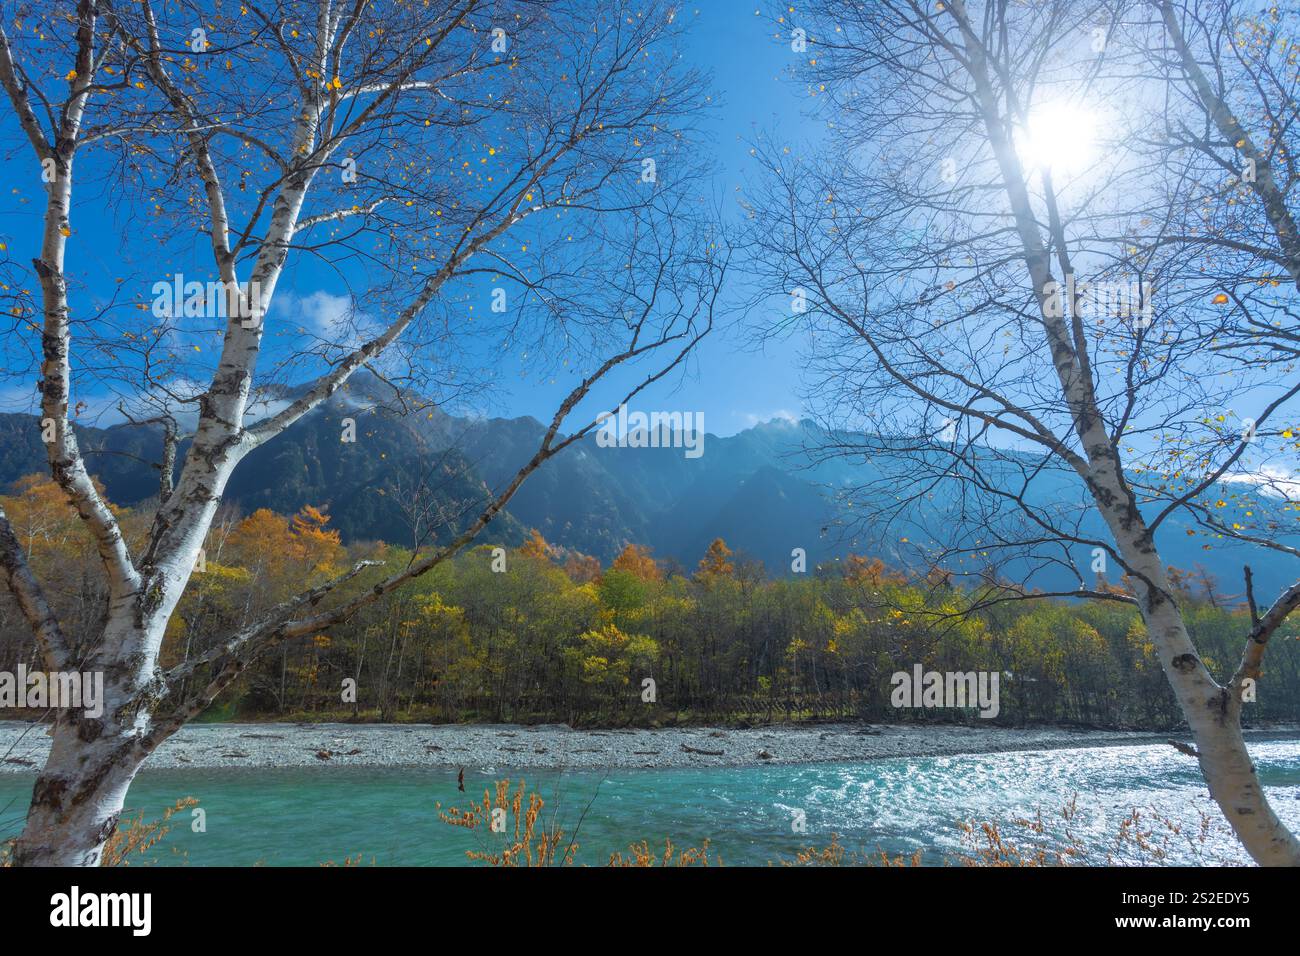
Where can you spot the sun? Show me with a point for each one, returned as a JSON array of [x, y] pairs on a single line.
[[1058, 137]]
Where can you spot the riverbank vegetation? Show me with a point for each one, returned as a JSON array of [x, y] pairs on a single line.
[[507, 828], [538, 633]]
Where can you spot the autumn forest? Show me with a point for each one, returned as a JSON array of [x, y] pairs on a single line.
[[551, 635]]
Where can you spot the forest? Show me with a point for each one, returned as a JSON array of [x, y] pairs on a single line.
[[539, 633], [553, 210]]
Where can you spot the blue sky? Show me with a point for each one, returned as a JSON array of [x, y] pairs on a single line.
[[732, 380]]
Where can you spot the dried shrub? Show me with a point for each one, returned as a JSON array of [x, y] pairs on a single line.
[[135, 836]]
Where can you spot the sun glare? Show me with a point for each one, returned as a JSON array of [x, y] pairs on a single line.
[[1058, 137]]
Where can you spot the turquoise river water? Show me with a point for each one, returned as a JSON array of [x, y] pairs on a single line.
[[750, 815]]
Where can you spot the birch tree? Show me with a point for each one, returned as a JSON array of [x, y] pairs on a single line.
[[1233, 81], [1032, 302], [412, 149]]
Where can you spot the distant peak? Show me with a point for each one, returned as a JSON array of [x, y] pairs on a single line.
[[785, 423]]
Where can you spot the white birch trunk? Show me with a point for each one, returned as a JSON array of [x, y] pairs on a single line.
[[79, 794], [1212, 714]]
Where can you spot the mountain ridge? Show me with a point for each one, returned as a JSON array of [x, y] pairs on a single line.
[[759, 489]]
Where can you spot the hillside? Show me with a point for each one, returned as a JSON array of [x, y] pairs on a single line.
[[760, 490]]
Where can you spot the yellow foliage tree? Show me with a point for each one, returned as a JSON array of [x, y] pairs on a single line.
[[535, 547], [313, 542], [715, 563], [635, 559], [864, 570]]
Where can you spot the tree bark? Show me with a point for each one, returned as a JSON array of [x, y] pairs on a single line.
[[1212, 712], [1213, 715], [79, 794]]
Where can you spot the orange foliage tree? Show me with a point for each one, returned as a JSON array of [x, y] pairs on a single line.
[[715, 563], [535, 546], [635, 559]]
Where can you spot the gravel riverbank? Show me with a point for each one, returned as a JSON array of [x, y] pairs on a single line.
[[550, 746]]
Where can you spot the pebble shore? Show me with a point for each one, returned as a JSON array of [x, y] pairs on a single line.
[[23, 746]]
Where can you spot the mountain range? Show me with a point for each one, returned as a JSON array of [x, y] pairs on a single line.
[[763, 490]]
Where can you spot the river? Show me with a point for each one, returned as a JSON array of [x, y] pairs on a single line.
[[751, 815]]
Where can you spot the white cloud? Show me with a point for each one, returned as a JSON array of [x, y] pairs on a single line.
[[1270, 481], [333, 321], [322, 314], [781, 416]]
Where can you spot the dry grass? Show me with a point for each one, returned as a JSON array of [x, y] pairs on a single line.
[[835, 854], [134, 836], [522, 838], [519, 837], [1141, 838]]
